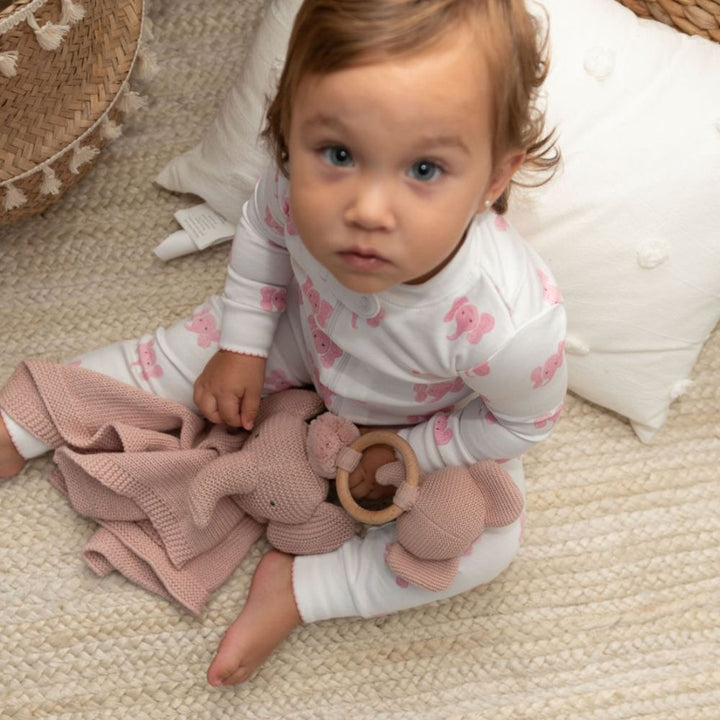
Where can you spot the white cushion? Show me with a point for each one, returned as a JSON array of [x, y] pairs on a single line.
[[630, 225], [225, 165]]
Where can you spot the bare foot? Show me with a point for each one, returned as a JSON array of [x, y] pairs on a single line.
[[269, 615], [11, 461]]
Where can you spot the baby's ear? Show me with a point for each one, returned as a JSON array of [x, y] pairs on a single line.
[[507, 166]]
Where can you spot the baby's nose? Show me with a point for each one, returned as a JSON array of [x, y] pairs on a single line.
[[371, 207]]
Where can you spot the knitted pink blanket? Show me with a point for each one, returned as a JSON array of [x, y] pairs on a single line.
[[125, 458]]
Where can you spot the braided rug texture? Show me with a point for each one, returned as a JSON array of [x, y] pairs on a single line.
[[611, 610]]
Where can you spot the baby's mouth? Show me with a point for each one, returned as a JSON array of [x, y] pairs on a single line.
[[360, 259]]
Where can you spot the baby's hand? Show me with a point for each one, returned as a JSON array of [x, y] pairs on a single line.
[[362, 479], [229, 388]]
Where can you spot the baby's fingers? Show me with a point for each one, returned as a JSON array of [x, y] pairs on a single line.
[[206, 405], [249, 410], [229, 410], [359, 484]]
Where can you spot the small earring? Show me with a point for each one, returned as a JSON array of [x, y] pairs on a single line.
[[488, 203]]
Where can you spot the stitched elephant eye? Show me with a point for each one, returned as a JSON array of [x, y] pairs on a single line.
[[272, 503]]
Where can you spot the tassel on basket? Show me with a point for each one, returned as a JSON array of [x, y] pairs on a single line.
[[47, 48]]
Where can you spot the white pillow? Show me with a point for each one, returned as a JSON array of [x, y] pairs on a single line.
[[225, 165], [630, 225]]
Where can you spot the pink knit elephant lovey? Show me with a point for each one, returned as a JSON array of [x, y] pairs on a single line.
[[444, 516], [280, 475]]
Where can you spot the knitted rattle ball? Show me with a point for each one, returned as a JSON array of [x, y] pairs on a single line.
[[64, 70]]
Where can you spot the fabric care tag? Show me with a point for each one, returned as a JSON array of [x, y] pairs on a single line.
[[201, 228]]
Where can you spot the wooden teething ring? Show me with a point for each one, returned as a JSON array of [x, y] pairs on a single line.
[[412, 475]]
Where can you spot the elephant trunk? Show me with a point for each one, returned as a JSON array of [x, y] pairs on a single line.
[[231, 474]]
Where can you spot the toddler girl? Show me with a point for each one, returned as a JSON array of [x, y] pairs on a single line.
[[373, 261]]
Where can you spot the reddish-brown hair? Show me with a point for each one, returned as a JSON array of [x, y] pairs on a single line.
[[331, 35]]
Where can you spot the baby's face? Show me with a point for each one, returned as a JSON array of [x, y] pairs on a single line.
[[389, 163]]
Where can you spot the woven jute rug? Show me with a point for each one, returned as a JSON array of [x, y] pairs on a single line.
[[610, 611]]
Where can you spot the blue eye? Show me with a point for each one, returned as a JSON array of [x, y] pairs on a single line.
[[338, 156], [425, 171]]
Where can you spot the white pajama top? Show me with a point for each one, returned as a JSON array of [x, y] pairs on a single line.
[[469, 363]]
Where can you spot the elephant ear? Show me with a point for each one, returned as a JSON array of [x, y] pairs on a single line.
[[434, 575], [300, 403], [232, 474], [328, 436], [328, 529], [503, 500]]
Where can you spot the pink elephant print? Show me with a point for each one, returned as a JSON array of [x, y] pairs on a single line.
[[205, 325], [277, 183], [376, 319], [488, 416], [327, 350], [543, 375], [277, 381], [469, 321], [373, 322], [273, 299], [443, 434], [289, 224], [322, 309], [501, 224], [327, 395], [480, 370], [415, 419], [436, 391], [552, 417], [147, 361], [272, 223], [551, 293]]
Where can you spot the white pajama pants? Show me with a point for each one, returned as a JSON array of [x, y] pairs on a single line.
[[353, 580]]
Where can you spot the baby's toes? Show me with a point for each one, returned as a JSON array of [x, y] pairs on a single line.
[[234, 660], [218, 674], [241, 675]]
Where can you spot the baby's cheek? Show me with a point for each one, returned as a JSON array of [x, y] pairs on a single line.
[[305, 212]]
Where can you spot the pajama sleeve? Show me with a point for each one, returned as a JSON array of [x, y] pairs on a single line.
[[520, 392], [259, 270]]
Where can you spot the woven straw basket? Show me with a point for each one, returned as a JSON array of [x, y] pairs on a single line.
[[696, 17], [64, 70]]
